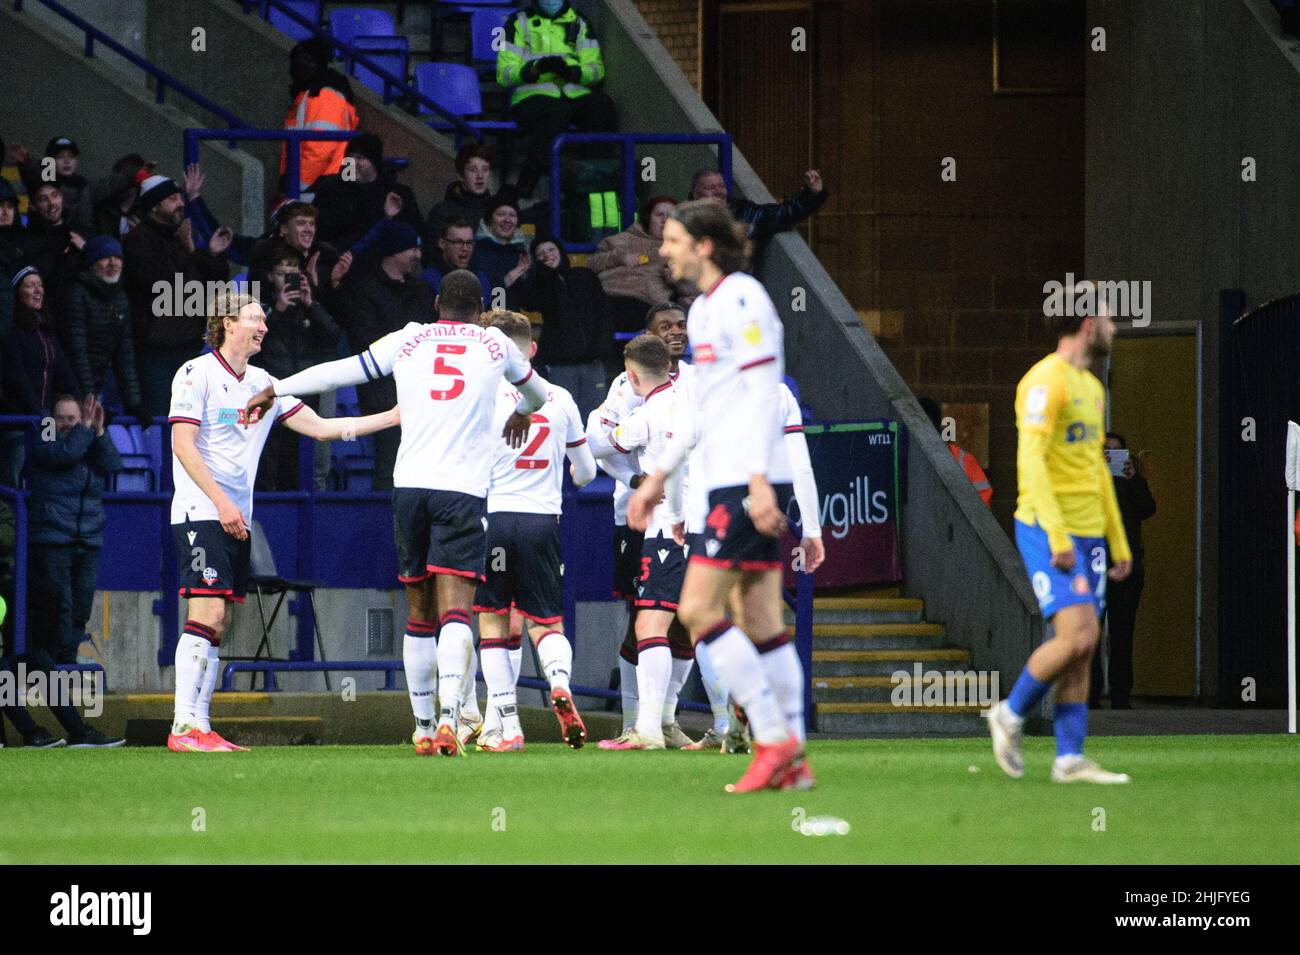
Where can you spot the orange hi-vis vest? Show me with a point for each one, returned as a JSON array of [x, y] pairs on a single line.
[[974, 473], [329, 110]]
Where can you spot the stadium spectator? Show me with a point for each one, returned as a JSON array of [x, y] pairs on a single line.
[[551, 63], [96, 327], [113, 196], [13, 251], [73, 187], [160, 249], [203, 223], [53, 246], [500, 248], [1122, 596], [349, 208], [576, 338], [632, 272], [762, 220], [293, 224], [382, 299], [454, 250], [66, 478], [469, 197], [300, 333], [965, 460], [320, 99], [80, 734]]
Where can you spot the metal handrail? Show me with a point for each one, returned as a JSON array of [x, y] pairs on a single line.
[[400, 86], [162, 78], [629, 141], [292, 158]]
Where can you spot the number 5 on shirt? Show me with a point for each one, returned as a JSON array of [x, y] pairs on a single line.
[[443, 367]]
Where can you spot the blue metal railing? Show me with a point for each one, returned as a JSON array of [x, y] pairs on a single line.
[[629, 142], [394, 87], [292, 157], [162, 79]]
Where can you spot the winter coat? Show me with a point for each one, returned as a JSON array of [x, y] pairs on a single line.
[[764, 220], [154, 253], [324, 103], [348, 210], [36, 371], [459, 204], [303, 336], [575, 324], [649, 281], [373, 306], [106, 202], [495, 258], [97, 332], [50, 249], [66, 478]]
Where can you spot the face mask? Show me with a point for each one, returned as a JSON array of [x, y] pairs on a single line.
[[550, 7]]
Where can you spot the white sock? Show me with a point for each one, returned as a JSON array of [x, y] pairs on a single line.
[[469, 711], [191, 669], [715, 689], [420, 660], [627, 687], [785, 676], [681, 671], [502, 702], [516, 660], [204, 701], [736, 660], [557, 658], [455, 641], [654, 667]]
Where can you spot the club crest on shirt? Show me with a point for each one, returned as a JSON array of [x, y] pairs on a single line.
[[209, 575], [704, 354], [1080, 585]]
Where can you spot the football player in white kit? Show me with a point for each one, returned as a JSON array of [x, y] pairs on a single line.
[[448, 376], [667, 322], [648, 430], [524, 569], [216, 444], [740, 458]]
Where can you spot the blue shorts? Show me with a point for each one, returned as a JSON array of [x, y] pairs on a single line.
[[1086, 584]]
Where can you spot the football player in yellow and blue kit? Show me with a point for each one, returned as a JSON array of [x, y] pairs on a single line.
[[1067, 518]]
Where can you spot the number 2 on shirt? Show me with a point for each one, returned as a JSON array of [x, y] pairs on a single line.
[[443, 367], [525, 461]]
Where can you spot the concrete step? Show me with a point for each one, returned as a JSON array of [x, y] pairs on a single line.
[[930, 722], [845, 663], [853, 689], [869, 609], [878, 636]]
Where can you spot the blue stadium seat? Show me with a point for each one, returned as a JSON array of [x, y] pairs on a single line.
[[387, 52], [309, 9], [481, 25], [348, 23], [137, 472], [454, 87]]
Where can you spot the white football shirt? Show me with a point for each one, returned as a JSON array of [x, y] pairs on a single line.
[[207, 392], [619, 403], [530, 479], [448, 375], [697, 496], [648, 430], [734, 327]]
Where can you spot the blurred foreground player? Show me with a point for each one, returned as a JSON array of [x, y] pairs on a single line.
[[216, 444], [448, 375], [737, 343], [1066, 515], [524, 569]]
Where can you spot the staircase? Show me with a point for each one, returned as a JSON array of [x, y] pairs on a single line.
[[859, 643]]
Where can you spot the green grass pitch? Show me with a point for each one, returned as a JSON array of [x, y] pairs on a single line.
[[1194, 799]]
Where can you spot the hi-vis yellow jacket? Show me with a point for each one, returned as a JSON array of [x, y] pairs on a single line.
[[531, 36]]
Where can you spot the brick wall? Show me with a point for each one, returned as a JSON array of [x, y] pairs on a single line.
[[677, 24]]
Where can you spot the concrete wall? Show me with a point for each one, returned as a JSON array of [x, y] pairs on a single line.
[[109, 114], [245, 69], [955, 555], [1182, 95]]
